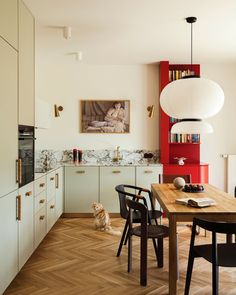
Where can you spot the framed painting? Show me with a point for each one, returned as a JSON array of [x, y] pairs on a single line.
[[105, 116]]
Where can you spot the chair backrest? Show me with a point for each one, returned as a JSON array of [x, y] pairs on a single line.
[[137, 206], [123, 193], [168, 178], [122, 197], [216, 227]]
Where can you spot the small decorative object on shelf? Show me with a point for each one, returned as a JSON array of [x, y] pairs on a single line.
[[180, 160], [179, 182]]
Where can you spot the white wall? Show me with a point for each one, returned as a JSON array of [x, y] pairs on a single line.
[[65, 82], [223, 140]]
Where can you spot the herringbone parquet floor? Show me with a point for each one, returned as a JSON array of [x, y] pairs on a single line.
[[74, 259]]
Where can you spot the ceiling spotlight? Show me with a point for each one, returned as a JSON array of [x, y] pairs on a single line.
[[67, 32]]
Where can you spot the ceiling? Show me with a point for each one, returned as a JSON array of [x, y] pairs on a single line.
[[136, 31]]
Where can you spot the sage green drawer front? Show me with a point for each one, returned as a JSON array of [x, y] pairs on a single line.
[[110, 177], [81, 189], [40, 185], [40, 201], [145, 176], [40, 226]]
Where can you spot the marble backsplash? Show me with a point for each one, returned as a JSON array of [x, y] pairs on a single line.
[[45, 159]]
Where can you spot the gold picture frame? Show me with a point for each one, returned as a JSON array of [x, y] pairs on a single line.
[[105, 116]]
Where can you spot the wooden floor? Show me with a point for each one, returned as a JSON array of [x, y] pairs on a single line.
[[74, 259]]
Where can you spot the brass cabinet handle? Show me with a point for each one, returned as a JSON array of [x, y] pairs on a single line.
[[148, 171], [52, 206], [80, 171], [18, 207], [57, 180], [116, 171], [52, 178], [19, 171], [42, 184], [42, 201], [28, 194], [42, 217]]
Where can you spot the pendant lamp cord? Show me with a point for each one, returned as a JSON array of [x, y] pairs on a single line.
[[191, 47]]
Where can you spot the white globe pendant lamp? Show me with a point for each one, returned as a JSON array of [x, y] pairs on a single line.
[[191, 100]]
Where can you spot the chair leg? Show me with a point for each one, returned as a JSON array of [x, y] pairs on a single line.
[[189, 273], [156, 250], [130, 253], [127, 236], [160, 252], [122, 238], [215, 279], [143, 262]]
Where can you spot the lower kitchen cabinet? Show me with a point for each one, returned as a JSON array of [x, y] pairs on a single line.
[[26, 223], [59, 182], [145, 176], [81, 188], [109, 178], [51, 214], [9, 240], [51, 186], [40, 225]]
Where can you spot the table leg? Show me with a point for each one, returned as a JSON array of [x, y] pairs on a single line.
[[173, 263]]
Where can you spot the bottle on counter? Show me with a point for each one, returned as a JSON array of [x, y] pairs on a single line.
[[75, 155], [80, 154]]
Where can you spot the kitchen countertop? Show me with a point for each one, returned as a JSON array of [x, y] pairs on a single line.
[[72, 164]]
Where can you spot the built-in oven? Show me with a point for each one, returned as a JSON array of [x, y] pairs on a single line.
[[25, 154]]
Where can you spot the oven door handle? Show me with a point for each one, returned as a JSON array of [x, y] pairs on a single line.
[[19, 171]]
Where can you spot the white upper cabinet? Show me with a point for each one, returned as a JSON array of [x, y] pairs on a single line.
[[26, 66], [43, 114], [8, 118], [8, 21]]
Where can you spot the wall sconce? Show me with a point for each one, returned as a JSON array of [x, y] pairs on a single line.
[[67, 32], [150, 110], [57, 109]]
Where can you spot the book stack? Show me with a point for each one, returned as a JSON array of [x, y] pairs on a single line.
[[178, 74], [184, 138]]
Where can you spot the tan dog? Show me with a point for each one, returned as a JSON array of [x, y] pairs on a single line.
[[102, 220]]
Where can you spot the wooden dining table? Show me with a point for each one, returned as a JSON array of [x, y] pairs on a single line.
[[166, 194]]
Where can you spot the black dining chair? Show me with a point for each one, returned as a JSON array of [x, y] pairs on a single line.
[[218, 254], [153, 214], [145, 231]]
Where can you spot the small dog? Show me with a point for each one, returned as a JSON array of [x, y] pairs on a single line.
[[102, 220]]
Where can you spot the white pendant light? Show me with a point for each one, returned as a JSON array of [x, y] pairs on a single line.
[[191, 100], [191, 127]]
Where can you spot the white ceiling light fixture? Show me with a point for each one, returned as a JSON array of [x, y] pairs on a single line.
[[191, 100], [67, 32]]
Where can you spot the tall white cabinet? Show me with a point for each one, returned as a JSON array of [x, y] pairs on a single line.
[[26, 66], [9, 240], [9, 21], [8, 118]]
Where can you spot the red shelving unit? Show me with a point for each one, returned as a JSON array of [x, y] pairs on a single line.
[[169, 150]]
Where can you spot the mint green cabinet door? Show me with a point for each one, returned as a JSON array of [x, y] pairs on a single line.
[[8, 118], [146, 175], [26, 224], [26, 66], [109, 178], [81, 189], [8, 244], [59, 191], [9, 21]]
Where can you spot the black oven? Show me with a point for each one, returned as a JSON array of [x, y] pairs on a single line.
[[25, 154]]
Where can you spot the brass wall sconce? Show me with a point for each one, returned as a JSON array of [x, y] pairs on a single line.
[[150, 110], [57, 110]]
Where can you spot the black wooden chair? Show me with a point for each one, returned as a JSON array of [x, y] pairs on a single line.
[[153, 214], [222, 254], [145, 231]]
